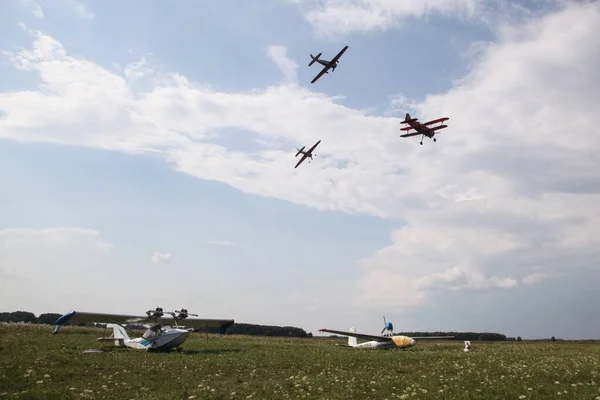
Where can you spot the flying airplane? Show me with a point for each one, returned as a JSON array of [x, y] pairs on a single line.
[[422, 129], [381, 342], [327, 64], [161, 335], [306, 154]]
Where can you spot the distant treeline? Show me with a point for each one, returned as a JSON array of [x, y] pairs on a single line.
[[260, 330], [267, 330], [481, 336], [235, 329]]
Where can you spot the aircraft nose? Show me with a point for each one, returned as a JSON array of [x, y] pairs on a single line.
[[413, 342]]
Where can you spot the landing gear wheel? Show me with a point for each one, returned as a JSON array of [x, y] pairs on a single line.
[[434, 139], [421, 143]]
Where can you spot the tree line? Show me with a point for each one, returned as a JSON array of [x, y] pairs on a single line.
[[263, 330], [235, 329]]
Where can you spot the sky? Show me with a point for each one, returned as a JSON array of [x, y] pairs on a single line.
[[147, 159]]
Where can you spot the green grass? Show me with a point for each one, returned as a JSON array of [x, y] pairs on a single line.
[[34, 364]]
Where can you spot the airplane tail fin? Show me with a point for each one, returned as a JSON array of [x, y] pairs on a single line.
[[408, 119], [119, 332], [352, 341], [119, 335], [299, 151], [314, 59]]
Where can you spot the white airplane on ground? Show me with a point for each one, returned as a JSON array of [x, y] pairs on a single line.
[[381, 342], [161, 335]]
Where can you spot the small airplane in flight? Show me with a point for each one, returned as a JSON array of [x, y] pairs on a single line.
[[381, 342], [422, 129], [161, 335], [306, 154], [327, 64]]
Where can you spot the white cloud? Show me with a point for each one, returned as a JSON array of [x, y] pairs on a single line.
[[138, 69], [344, 17], [332, 18], [225, 243], [34, 7], [510, 186], [287, 66], [161, 258]]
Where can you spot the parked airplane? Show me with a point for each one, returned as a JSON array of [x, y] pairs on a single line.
[[381, 342], [422, 129], [327, 64], [387, 326], [161, 335], [306, 154]]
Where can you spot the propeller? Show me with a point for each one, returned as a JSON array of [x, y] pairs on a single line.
[[387, 326], [183, 313], [157, 313]]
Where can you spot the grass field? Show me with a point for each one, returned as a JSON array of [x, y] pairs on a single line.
[[34, 364]]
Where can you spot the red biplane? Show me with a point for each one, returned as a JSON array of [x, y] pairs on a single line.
[[422, 129]]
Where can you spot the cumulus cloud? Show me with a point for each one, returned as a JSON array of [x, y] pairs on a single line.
[[509, 188], [161, 258], [287, 66], [340, 18]]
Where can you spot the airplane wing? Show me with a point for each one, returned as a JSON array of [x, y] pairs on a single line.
[[325, 68], [339, 55], [314, 147], [408, 128], [435, 121], [301, 160], [359, 335], [411, 134], [123, 319], [437, 128]]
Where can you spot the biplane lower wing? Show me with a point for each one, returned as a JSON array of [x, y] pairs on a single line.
[[123, 319], [416, 133], [411, 134], [359, 335], [437, 128]]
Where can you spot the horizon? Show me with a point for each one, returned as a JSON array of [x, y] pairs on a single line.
[[147, 156]]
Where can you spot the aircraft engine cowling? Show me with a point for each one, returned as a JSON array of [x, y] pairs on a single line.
[[403, 341]]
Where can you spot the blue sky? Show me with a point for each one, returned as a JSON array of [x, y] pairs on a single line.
[[143, 127]]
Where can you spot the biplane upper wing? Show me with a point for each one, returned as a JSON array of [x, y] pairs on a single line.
[[435, 121], [325, 68], [359, 335], [123, 319]]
